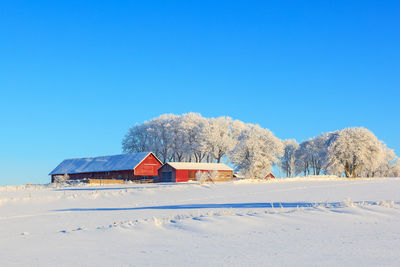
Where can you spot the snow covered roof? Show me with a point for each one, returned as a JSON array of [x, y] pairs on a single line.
[[199, 166], [100, 164]]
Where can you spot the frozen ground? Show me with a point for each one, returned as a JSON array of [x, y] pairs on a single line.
[[299, 222]]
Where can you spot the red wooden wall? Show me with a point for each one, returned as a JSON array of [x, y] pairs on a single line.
[[148, 167], [182, 176]]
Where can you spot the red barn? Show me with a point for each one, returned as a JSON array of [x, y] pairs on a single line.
[[186, 171], [133, 167], [269, 176]]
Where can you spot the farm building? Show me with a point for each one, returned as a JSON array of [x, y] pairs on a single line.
[[270, 176], [186, 171], [133, 167]]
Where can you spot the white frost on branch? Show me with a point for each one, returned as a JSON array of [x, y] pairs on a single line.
[[288, 160], [353, 151], [254, 150], [257, 150]]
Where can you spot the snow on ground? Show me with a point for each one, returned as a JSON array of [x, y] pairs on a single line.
[[291, 222]]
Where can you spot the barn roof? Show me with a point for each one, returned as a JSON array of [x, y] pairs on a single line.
[[199, 166], [100, 164]]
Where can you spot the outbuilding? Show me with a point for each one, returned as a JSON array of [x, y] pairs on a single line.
[[134, 167], [186, 171], [270, 176]]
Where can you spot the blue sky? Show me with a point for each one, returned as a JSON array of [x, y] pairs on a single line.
[[75, 75]]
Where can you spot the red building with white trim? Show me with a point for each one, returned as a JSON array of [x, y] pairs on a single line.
[[186, 171], [132, 167]]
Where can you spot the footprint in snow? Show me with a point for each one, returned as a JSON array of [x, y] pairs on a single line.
[[77, 229]]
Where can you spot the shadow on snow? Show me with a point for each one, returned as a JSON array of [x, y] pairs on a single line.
[[229, 206]]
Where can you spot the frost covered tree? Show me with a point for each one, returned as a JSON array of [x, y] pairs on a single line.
[[302, 160], [180, 152], [193, 127], [395, 170], [61, 178], [205, 176], [162, 141], [189, 137], [389, 166], [154, 135], [287, 162], [311, 155], [193, 138], [354, 150], [137, 139], [319, 152], [256, 151], [219, 138]]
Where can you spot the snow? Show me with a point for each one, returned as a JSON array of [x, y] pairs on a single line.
[[282, 222]]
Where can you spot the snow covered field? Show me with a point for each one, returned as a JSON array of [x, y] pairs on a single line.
[[293, 222]]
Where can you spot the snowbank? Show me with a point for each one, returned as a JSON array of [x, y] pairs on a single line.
[[281, 222]]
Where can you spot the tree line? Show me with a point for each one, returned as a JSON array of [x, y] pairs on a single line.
[[254, 151]]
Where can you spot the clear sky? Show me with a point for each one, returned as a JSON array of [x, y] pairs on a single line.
[[75, 75]]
